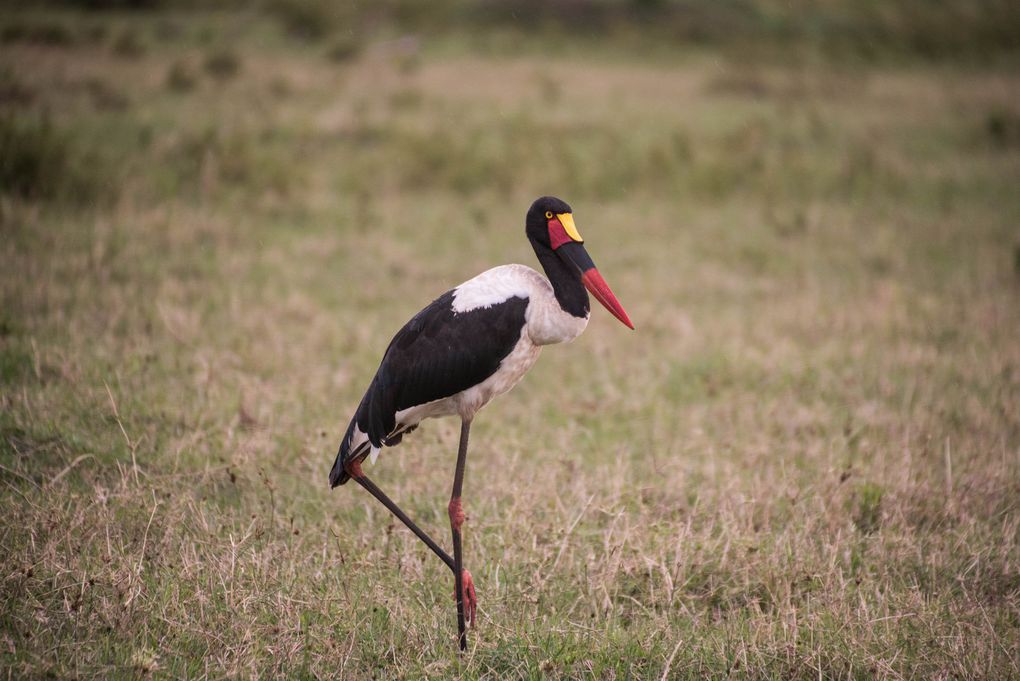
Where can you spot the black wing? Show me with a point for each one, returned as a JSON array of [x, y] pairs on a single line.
[[437, 354]]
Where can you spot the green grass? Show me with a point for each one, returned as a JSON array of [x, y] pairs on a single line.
[[804, 463]]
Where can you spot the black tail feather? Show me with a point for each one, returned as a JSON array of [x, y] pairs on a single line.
[[338, 474], [374, 417]]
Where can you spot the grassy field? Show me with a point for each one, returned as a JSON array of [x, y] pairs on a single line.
[[805, 463]]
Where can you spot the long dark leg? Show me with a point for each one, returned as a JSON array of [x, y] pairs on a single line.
[[354, 470], [463, 584]]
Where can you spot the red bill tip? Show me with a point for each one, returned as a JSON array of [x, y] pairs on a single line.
[[598, 287]]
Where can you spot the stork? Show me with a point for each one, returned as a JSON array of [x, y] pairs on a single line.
[[466, 347]]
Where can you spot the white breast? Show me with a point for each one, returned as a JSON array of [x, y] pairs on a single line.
[[549, 323]]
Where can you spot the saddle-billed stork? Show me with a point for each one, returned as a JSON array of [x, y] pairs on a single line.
[[468, 346]]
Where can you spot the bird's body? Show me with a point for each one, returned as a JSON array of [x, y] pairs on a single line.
[[466, 347], [483, 336]]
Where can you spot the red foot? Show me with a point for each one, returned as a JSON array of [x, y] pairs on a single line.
[[456, 512], [470, 599]]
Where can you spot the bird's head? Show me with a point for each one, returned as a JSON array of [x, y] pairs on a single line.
[[550, 224]]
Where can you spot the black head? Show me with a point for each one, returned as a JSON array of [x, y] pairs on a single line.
[[541, 212], [559, 246]]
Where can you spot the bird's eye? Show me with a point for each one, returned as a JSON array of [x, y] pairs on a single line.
[[548, 215]]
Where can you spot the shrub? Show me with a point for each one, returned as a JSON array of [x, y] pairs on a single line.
[[40, 162], [13, 90], [309, 19], [222, 64], [128, 44], [344, 49], [181, 77], [45, 33]]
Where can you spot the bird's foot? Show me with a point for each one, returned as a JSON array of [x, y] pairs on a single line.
[[470, 599]]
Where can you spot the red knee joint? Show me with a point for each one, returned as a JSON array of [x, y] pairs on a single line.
[[456, 511], [354, 468]]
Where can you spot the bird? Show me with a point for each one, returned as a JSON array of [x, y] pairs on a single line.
[[468, 346]]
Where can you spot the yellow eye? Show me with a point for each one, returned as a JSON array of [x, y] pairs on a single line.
[[548, 215]]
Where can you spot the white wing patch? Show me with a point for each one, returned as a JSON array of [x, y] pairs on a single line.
[[492, 287]]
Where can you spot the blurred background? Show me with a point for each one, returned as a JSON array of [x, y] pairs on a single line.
[[804, 463]]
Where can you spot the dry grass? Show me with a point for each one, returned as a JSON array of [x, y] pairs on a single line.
[[805, 463]]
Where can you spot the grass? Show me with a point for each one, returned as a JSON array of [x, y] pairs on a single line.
[[805, 463]]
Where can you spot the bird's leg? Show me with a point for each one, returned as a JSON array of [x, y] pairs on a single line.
[[464, 587], [354, 470]]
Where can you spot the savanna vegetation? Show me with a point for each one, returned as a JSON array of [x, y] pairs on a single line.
[[805, 463]]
